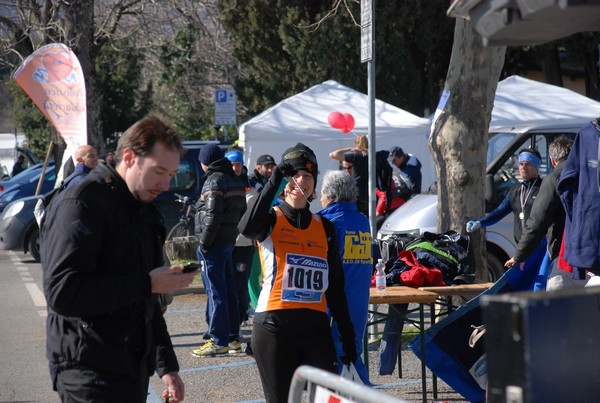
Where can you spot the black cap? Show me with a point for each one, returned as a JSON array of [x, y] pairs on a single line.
[[265, 159], [396, 151], [301, 157]]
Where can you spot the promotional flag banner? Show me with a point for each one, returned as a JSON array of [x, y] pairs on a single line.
[[52, 78]]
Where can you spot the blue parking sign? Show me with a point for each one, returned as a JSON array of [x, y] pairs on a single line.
[[225, 106], [221, 96]]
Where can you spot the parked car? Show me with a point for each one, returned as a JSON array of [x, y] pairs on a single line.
[[9, 156], [19, 230], [419, 214], [25, 184]]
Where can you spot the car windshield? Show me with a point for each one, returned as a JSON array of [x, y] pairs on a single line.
[[497, 143]]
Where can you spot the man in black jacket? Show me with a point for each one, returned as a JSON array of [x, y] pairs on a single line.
[[547, 212], [264, 168], [101, 250], [222, 203]]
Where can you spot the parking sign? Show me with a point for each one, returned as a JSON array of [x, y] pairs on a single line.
[[225, 107]]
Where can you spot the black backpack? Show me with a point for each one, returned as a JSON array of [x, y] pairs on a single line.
[[447, 252], [43, 203]]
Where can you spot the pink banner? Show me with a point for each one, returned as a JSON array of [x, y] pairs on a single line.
[[53, 79]]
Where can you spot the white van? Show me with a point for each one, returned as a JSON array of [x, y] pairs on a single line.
[[419, 214]]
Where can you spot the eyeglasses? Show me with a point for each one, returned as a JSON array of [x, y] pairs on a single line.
[[300, 153]]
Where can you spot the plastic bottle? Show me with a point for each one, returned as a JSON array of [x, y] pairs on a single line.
[[380, 275]]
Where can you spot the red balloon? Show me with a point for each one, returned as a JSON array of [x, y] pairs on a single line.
[[337, 120], [349, 122]]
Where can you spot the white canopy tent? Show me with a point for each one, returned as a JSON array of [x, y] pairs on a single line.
[[521, 102], [520, 105], [303, 118]]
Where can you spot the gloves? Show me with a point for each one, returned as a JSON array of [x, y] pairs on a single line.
[[286, 169], [349, 349], [473, 226]]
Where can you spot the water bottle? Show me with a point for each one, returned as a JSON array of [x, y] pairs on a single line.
[[380, 275]]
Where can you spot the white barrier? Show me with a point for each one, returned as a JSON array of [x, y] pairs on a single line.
[[315, 380]]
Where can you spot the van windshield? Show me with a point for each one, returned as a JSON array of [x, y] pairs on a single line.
[[497, 143]]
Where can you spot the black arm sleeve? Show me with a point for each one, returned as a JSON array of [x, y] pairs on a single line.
[[256, 223]]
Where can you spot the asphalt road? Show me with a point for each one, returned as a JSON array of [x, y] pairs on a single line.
[[24, 371]]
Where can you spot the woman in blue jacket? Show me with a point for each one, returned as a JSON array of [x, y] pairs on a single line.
[[338, 197]]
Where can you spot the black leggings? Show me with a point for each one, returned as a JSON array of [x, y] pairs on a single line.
[[278, 355]]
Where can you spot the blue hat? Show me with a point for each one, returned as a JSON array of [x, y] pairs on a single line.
[[210, 153], [235, 156]]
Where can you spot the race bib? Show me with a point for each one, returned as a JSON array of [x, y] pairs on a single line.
[[305, 278]]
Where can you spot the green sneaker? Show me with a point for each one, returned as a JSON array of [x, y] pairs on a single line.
[[210, 349], [234, 347]]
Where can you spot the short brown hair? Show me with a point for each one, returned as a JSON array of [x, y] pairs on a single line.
[[143, 135]]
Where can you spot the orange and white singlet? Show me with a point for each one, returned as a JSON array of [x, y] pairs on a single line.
[[294, 266]]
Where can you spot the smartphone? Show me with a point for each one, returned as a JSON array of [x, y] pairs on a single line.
[[190, 267]]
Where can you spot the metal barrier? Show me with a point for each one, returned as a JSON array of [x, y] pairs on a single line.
[[310, 377]]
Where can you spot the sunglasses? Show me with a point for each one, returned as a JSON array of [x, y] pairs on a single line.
[[300, 153], [347, 168]]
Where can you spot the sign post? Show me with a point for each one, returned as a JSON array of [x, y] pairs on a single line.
[[225, 108], [367, 54]]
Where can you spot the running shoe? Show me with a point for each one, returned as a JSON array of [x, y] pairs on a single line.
[[234, 347], [210, 349]]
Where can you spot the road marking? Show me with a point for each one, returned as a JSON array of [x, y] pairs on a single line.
[[36, 295], [212, 367], [172, 311]]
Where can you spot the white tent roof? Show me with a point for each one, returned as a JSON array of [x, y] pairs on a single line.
[[521, 103], [303, 118]]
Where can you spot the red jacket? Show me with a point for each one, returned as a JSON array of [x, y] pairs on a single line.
[[396, 201]]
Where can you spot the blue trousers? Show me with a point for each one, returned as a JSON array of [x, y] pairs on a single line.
[[222, 306]]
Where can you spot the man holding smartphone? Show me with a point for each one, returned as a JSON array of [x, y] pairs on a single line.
[[101, 251]]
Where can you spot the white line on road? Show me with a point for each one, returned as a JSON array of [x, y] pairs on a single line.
[[36, 295]]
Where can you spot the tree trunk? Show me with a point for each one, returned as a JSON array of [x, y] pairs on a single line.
[[79, 17], [551, 65], [459, 137]]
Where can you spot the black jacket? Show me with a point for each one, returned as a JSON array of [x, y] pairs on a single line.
[[98, 245], [547, 214], [257, 223], [222, 203], [257, 181]]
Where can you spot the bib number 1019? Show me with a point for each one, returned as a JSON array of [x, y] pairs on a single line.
[[304, 279]]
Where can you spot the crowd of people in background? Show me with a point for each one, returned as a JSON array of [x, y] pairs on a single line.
[[259, 241]]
